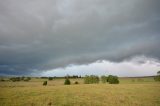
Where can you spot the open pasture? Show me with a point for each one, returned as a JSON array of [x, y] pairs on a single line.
[[130, 92]]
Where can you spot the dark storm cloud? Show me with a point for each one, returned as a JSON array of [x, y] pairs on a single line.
[[41, 35]]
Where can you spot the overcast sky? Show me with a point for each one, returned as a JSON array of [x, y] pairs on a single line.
[[59, 37]]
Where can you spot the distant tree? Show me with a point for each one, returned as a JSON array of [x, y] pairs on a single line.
[[50, 78], [15, 79], [113, 79], [44, 77], [91, 79], [44, 83], [104, 79], [27, 79], [67, 81], [75, 76]]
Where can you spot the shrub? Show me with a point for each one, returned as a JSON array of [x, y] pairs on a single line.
[[50, 103], [76, 82], [113, 79], [44, 83], [2, 79], [104, 79], [91, 79], [67, 82]]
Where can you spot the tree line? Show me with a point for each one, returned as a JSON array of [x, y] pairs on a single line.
[[14, 79]]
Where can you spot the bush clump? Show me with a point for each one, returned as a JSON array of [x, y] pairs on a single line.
[[67, 81], [112, 79], [91, 79], [14, 79], [104, 79], [27, 79], [2, 79], [44, 83], [76, 82], [95, 79]]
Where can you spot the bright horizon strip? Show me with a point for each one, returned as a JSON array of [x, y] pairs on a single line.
[[137, 66]]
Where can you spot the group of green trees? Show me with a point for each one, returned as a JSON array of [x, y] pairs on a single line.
[[91, 79], [95, 79], [68, 82], [14, 79], [110, 79], [55, 77], [50, 78]]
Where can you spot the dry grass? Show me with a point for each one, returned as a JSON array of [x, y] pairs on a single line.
[[56, 94]]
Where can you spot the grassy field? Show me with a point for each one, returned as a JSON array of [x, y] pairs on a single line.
[[130, 92]]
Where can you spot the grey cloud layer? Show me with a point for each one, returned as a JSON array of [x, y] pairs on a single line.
[[41, 35]]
